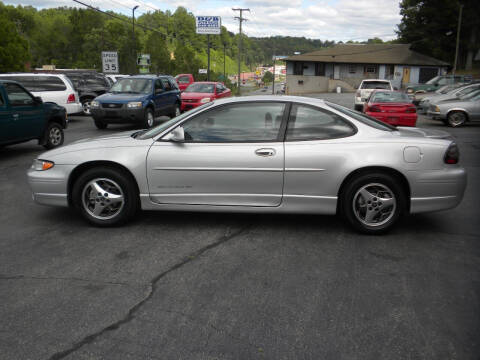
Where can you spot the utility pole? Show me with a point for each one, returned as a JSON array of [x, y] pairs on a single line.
[[273, 84], [241, 20], [224, 77], [208, 57], [458, 38], [134, 44]]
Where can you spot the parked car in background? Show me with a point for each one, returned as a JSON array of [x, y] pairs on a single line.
[[391, 107], [456, 92], [202, 92], [113, 78], [457, 112], [267, 154], [445, 89], [184, 81], [89, 85], [25, 117], [365, 89], [56, 88], [137, 99], [437, 82]]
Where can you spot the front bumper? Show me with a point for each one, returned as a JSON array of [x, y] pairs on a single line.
[[437, 189], [189, 105], [435, 115], [50, 187], [119, 116]]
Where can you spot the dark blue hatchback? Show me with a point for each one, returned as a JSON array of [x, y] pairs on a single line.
[[137, 99]]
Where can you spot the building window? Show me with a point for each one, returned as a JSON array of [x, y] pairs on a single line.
[[319, 69], [298, 68], [371, 69], [352, 69]]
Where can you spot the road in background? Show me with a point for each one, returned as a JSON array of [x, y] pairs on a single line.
[[231, 286]]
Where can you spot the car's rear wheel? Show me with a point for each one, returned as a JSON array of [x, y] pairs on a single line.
[[373, 203], [100, 124], [105, 196], [149, 118], [54, 135], [456, 118]]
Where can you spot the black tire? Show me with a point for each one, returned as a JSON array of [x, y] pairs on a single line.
[[54, 135], [176, 111], [100, 124], [86, 106], [456, 118], [356, 209], [117, 203], [149, 119]]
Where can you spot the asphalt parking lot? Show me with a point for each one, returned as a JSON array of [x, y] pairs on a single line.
[[232, 286]]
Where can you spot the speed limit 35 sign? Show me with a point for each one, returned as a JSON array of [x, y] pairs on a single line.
[[110, 62]]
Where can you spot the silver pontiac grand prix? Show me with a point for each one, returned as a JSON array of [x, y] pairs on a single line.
[[279, 154]]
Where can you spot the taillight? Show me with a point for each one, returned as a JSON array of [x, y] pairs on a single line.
[[71, 98], [411, 109], [374, 109], [452, 155]]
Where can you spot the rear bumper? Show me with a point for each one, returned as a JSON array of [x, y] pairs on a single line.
[[437, 189], [394, 119], [73, 108], [119, 116]]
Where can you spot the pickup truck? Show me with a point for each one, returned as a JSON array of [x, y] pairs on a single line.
[[24, 117], [184, 81], [437, 82]]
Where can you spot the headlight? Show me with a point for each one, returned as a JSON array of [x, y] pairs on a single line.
[[205, 100], [437, 109], [135, 104], [42, 165], [94, 104]]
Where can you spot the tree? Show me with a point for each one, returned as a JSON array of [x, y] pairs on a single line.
[[14, 52], [267, 77]]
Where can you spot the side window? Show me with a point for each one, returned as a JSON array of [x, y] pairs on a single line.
[[183, 80], [18, 96], [158, 85], [173, 84], [237, 123], [166, 84], [48, 83], [308, 123], [219, 89]]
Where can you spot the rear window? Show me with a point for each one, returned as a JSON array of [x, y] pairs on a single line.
[[389, 97], [364, 119], [183, 79], [375, 85], [39, 83]]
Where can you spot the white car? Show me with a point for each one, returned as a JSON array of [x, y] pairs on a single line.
[[113, 78], [56, 88], [366, 88]]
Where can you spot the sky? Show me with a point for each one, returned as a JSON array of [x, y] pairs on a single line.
[[339, 20]]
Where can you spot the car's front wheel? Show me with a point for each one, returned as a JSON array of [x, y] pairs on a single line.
[[105, 196], [54, 135], [373, 203], [176, 111], [456, 118], [149, 118]]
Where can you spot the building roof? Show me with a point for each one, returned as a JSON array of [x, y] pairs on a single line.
[[369, 54]]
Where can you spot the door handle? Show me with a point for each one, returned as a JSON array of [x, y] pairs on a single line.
[[265, 152]]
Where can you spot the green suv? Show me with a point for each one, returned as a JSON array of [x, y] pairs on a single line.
[[24, 117], [437, 82]]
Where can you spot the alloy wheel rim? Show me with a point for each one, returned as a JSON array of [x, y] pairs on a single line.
[[55, 136], [149, 119], [86, 107], [374, 204], [456, 119], [102, 198], [177, 111]]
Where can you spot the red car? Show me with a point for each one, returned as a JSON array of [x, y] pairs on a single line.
[[200, 93], [391, 107], [184, 80]]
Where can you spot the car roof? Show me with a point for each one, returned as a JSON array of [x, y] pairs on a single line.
[[281, 98], [376, 80], [205, 82], [32, 74], [9, 81]]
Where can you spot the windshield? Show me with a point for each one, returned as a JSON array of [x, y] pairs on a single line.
[[467, 90], [162, 127], [433, 81], [375, 85], [201, 88], [364, 119], [389, 97], [132, 86]]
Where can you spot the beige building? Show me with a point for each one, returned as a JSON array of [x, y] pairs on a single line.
[[347, 65]]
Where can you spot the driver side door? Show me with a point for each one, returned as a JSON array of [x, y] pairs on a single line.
[[231, 155]]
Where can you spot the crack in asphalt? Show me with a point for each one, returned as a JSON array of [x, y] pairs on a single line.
[[153, 286], [27, 277]]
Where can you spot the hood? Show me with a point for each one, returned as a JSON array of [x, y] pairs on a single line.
[[421, 132], [121, 98], [194, 95], [121, 139]]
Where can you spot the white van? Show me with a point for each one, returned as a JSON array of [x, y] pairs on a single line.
[[56, 88], [366, 88], [113, 78]]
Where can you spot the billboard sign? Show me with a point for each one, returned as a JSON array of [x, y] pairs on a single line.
[[209, 25], [109, 62]]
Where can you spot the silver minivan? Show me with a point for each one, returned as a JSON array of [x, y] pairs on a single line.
[[56, 88]]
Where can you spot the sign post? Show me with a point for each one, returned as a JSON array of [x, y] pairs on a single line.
[[109, 62], [208, 25]]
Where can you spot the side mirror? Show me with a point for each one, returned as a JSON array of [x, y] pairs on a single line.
[[37, 100], [176, 135]]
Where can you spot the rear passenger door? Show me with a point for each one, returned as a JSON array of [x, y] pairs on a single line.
[[160, 98], [170, 92]]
